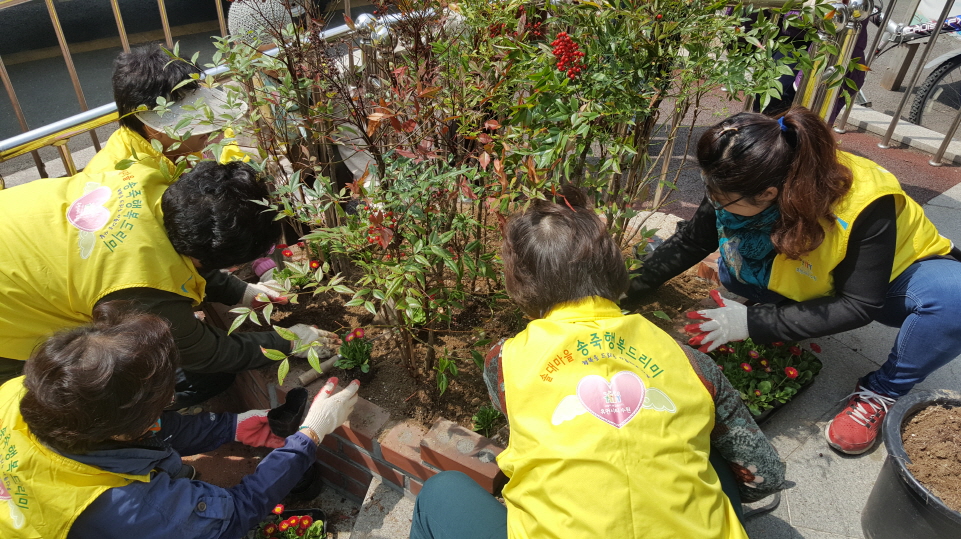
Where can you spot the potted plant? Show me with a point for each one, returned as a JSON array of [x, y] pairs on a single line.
[[290, 524], [355, 352], [767, 376], [899, 505]]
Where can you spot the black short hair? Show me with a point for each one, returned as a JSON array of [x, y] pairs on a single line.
[[558, 251], [210, 214], [144, 74], [112, 377]]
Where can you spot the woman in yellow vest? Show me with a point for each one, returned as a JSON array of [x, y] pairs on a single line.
[[824, 242], [83, 453], [612, 422]]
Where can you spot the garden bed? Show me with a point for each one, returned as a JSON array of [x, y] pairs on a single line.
[[392, 386]]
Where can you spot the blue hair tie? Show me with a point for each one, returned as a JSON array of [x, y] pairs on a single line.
[[780, 122]]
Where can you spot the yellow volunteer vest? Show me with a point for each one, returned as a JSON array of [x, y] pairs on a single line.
[[125, 143], [812, 275], [610, 431], [67, 242], [42, 492]]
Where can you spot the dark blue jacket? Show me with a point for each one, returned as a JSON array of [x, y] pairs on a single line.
[[180, 508]]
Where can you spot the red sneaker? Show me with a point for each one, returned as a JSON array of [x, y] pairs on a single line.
[[856, 428]]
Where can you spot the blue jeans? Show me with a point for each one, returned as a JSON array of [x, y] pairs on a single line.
[[452, 505], [924, 301]]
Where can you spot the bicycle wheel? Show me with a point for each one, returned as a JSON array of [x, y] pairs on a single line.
[[938, 99]]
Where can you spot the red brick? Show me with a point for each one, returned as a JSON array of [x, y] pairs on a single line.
[[345, 467], [363, 424], [331, 443], [332, 476], [449, 446], [374, 466], [357, 489], [400, 446], [414, 486], [252, 387]]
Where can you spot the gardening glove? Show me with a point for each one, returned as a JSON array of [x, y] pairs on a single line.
[[325, 342], [329, 412], [254, 430], [729, 323], [271, 289]]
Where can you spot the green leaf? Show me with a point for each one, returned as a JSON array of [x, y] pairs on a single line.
[[314, 360], [236, 323], [370, 307], [441, 382], [124, 164], [157, 145], [478, 359], [365, 368], [282, 371], [285, 333], [274, 355], [268, 310], [661, 314]]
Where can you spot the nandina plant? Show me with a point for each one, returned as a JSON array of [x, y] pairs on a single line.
[[766, 375]]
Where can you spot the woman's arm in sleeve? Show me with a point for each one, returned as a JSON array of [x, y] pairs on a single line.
[[223, 287], [756, 464], [191, 509], [494, 376], [861, 282], [692, 242], [192, 434]]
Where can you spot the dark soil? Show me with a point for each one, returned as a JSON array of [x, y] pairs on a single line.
[[932, 440], [413, 393]]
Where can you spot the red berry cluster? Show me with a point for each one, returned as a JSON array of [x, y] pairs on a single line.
[[382, 8], [568, 56], [536, 30], [379, 221]]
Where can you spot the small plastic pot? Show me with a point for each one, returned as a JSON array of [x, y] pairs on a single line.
[[899, 506]]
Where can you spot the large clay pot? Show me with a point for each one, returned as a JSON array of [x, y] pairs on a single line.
[[899, 506]]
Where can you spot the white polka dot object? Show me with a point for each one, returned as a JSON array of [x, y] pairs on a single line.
[[248, 19]]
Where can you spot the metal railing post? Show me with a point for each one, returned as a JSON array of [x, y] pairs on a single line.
[[65, 50], [8, 84], [165, 24], [948, 137], [842, 122], [220, 18], [123, 33], [886, 140]]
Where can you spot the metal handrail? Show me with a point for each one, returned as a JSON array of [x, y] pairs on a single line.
[[66, 128]]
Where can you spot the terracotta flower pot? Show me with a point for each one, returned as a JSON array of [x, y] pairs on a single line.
[[899, 506]]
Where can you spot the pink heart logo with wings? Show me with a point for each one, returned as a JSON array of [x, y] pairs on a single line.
[[87, 212], [616, 402]]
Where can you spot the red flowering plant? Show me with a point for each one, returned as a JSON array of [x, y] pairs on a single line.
[[283, 525], [766, 375], [355, 352]]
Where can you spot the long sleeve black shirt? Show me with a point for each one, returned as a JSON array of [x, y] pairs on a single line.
[[861, 279]]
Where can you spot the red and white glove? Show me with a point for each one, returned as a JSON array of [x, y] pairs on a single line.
[[256, 294], [253, 430], [329, 412], [726, 324]]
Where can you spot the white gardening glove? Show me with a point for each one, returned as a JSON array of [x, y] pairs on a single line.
[[271, 291], [329, 412], [325, 342], [726, 324]]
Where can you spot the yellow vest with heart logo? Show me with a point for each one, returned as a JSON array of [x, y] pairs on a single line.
[[42, 492], [610, 430], [811, 276], [67, 242]]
